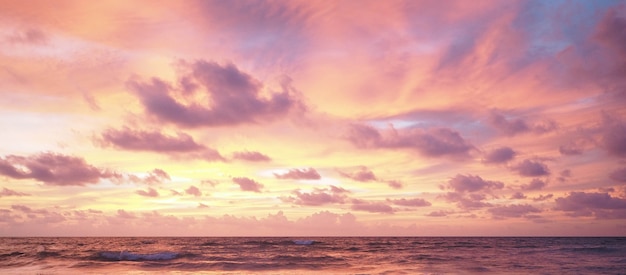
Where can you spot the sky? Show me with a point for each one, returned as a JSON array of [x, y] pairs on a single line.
[[312, 118]]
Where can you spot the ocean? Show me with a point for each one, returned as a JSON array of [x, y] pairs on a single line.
[[314, 255]]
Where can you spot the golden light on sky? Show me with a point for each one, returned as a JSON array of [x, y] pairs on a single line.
[[312, 118]]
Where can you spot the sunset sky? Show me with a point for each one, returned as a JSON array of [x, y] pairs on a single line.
[[274, 118]]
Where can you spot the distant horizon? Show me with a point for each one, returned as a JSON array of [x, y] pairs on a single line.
[[300, 118]]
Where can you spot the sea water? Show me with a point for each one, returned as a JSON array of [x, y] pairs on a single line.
[[319, 255]]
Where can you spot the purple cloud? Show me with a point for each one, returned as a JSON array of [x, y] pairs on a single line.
[[150, 193], [372, 207], [300, 174], [439, 213], [600, 205], [543, 197], [570, 150], [530, 168], [246, 184], [535, 184], [499, 155], [614, 135], [194, 191], [518, 196], [469, 183], [234, 97], [513, 211], [6, 192], [511, 127], [619, 175], [434, 142], [251, 156], [319, 196], [52, 169], [415, 202], [181, 145]]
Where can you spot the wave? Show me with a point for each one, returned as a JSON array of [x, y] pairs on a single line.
[[128, 256]]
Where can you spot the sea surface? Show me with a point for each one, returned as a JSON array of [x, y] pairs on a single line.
[[319, 255]]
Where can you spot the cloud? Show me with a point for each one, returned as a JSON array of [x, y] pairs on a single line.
[[154, 141], [150, 193], [361, 175], [246, 184], [251, 156], [469, 183], [394, 184], [614, 135], [530, 168], [6, 192], [439, 213], [28, 36], [192, 190], [125, 215], [600, 205], [512, 127], [415, 202], [229, 97], [319, 196], [570, 150], [154, 177], [499, 155], [618, 175], [543, 197], [513, 211], [470, 191], [52, 169], [535, 184], [372, 207], [518, 196], [434, 142], [300, 174], [202, 205]]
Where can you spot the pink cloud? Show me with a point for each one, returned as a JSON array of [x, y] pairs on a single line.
[[28, 36], [469, 183], [543, 197], [619, 175], [300, 174], [373, 207], [518, 196], [125, 215], [251, 156], [513, 211], [192, 190], [415, 202], [511, 127], [535, 184], [614, 135], [439, 213], [234, 97], [435, 142], [318, 196], [6, 192], [363, 174], [52, 169], [246, 184], [150, 193]]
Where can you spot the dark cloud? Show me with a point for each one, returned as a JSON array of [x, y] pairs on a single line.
[[600, 205], [619, 175], [194, 191], [500, 155], [535, 184], [514, 126], [319, 196], [180, 146], [6, 192], [513, 211], [233, 97], [610, 32], [435, 142], [52, 169], [531, 168], [518, 196], [251, 156], [246, 184], [150, 193], [372, 207], [300, 174], [469, 183], [415, 202]]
